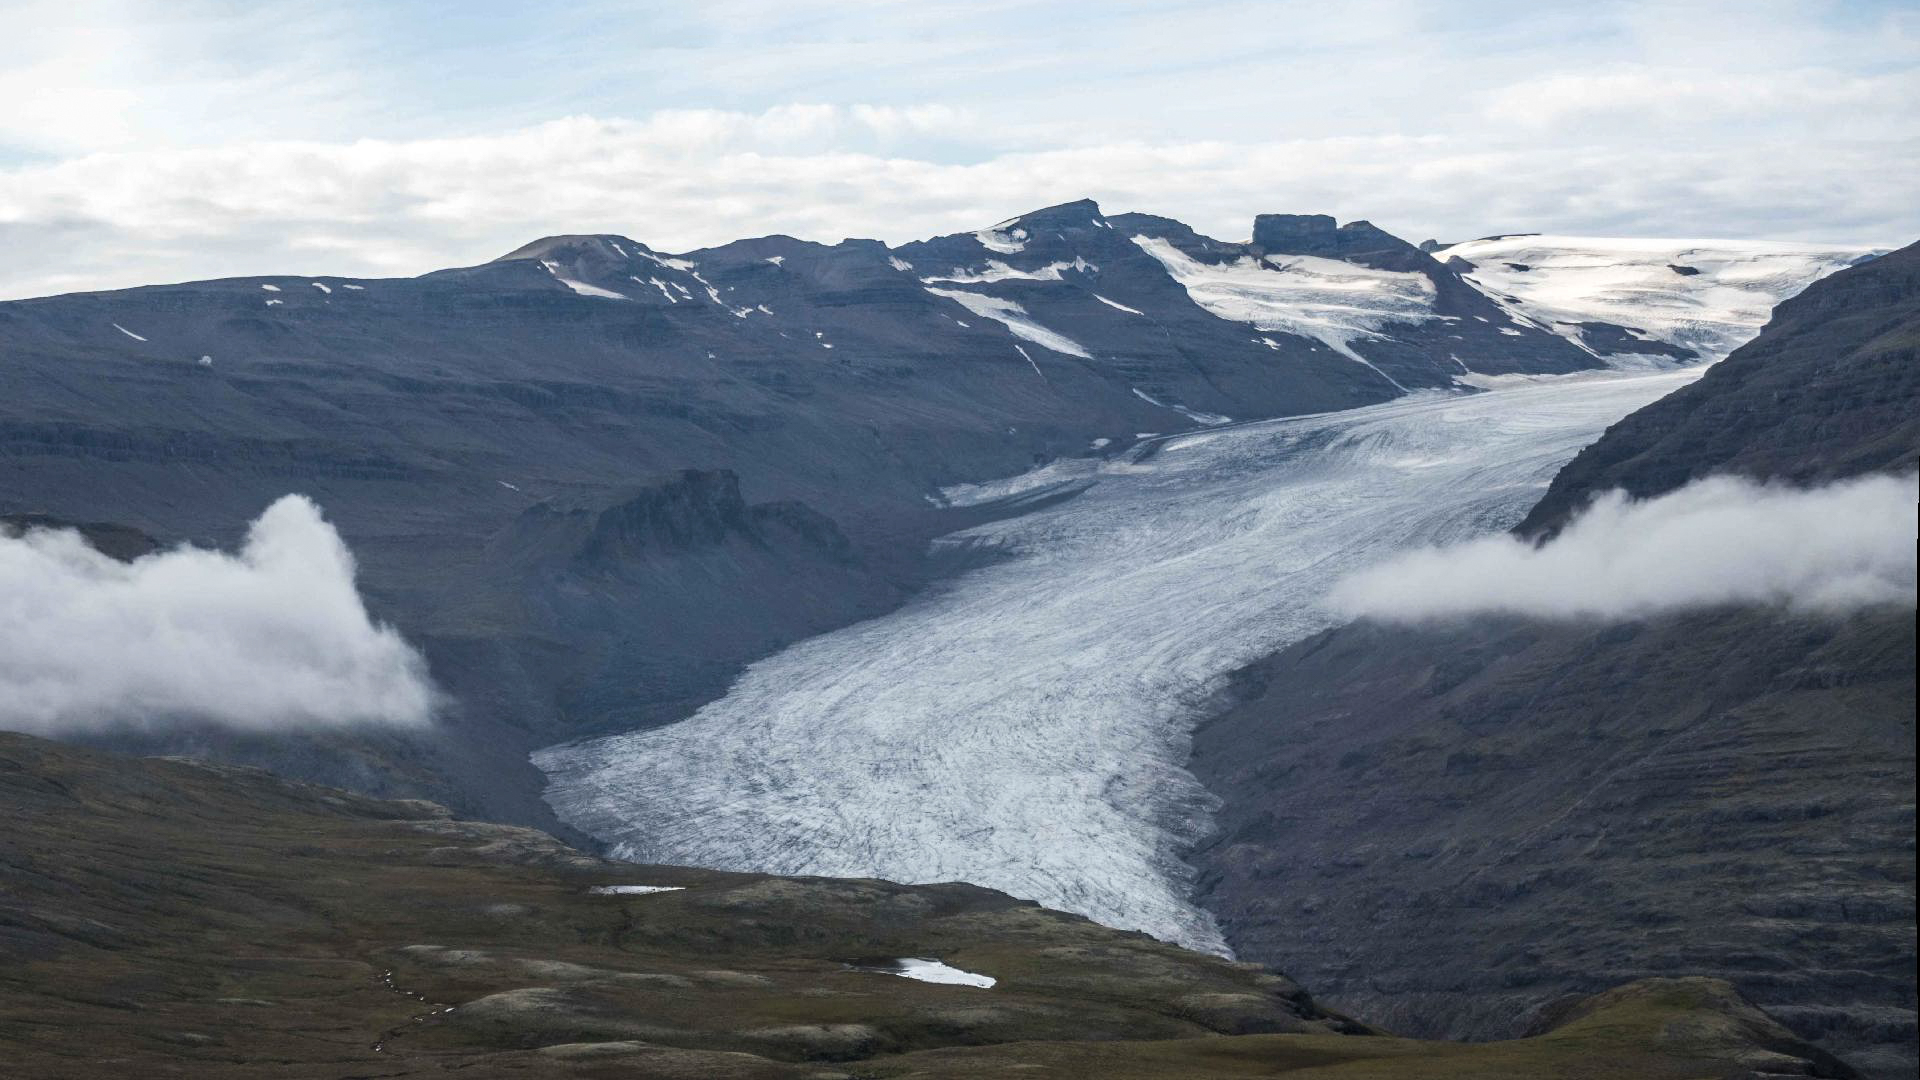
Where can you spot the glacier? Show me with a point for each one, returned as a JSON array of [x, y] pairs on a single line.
[[1025, 726], [1706, 295]]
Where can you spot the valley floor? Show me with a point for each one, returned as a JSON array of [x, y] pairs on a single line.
[[1025, 726]]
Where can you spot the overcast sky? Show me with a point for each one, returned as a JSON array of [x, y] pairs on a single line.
[[144, 141]]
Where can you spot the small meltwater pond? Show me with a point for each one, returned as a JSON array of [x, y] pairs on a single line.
[[924, 969]]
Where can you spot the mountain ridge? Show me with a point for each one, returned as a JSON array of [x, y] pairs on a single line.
[[851, 382], [426, 415]]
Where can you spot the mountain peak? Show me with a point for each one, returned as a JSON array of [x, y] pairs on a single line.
[[1318, 234], [1080, 213], [574, 245]]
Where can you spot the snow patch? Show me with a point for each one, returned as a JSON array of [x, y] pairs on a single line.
[[1005, 242], [633, 890], [1015, 318], [1633, 282], [581, 287], [585, 289], [1029, 359], [1330, 301], [999, 271], [321, 286], [713, 294], [671, 264], [270, 288], [933, 971], [1209, 419], [128, 332]]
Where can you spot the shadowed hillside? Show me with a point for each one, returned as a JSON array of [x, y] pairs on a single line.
[[1445, 827]]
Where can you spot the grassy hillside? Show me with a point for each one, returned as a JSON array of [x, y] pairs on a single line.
[[162, 918]]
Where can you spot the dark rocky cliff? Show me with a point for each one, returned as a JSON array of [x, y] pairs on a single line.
[[601, 587], [1446, 828], [1443, 830]]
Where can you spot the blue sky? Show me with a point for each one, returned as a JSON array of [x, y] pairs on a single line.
[[147, 141]]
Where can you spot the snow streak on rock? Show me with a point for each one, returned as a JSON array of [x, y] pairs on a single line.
[[1025, 727], [1015, 318]]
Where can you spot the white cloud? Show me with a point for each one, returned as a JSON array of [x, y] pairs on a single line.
[[273, 637], [1637, 95], [689, 178], [1714, 542], [164, 142]]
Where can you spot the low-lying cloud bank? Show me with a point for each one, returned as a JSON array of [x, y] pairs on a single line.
[[1716, 541], [273, 637]]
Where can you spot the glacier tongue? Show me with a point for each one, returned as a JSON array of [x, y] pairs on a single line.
[[1025, 726]]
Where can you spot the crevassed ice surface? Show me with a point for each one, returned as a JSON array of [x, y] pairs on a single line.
[[1025, 726], [1560, 280]]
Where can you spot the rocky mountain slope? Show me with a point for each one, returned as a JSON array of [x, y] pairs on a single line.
[[469, 431], [161, 917], [1444, 828], [1826, 392]]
